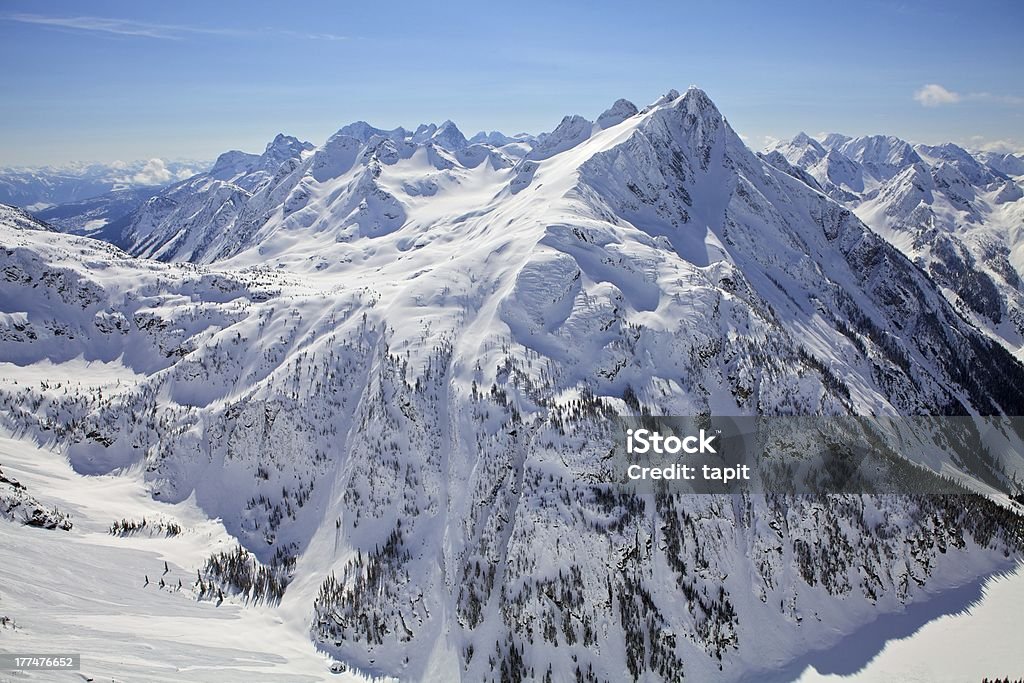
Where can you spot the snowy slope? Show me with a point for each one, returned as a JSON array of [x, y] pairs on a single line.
[[13, 217], [97, 216], [96, 601], [385, 367]]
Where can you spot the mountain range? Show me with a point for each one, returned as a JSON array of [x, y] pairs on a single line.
[[382, 364], [956, 215]]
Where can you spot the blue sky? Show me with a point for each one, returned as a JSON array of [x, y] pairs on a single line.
[[101, 81]]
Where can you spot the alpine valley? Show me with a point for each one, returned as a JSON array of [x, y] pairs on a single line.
[[333, 408]]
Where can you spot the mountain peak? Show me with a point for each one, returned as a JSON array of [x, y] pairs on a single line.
[[695, 105], [696, 102], [802, 150], [571, 131], [231, 163], [884, 154], [619, 111], [449, 136], [285, 147], [494, 137], [363, 131], [670, 96], [360, 130], [693, 91], [832, 140], [975, 171]]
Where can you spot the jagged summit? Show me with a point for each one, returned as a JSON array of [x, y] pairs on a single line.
[[802, 151], [694, 94], [449, 136], [285, 147], [832, 140], [619, 111], [803, 138], [973, 169], [1006, 163], [695, 122], [249, 170], [423, 132], [570, 132], [574, 129], [495, 138], [670, 96], [363, 131], [883, 155]]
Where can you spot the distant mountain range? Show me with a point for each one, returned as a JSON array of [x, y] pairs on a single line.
[[35, 189], [957, 215], [85, 199]]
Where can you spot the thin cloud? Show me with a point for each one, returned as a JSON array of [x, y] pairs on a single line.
[[310, 36], [121, 27], [999, 99], [934, 95], [141, 29]]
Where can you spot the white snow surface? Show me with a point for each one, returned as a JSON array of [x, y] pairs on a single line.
[[977, 636]]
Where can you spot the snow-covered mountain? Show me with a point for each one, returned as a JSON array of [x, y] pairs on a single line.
[[498, 139], [99, 216], [957, 215], [248, 171], [385, 363], [1008, 164]]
